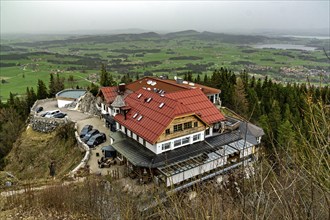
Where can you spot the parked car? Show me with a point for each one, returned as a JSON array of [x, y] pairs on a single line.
[[39, 109], [89, 135], [96, 140], [59, 115], [50, 114], [85, 130]]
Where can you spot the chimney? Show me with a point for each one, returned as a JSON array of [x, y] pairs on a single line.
[[163, 77], [121, 88], [125, 111], [179, 81]]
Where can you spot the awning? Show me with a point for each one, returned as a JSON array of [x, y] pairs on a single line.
[[108, 148], [109, 118], [141, 156]]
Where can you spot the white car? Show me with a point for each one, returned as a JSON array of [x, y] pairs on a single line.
[[50, 114]]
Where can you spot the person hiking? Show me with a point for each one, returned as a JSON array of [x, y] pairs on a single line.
[[52, 169]]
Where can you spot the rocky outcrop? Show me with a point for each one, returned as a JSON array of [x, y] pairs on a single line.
[[46, 125], [87, 104]]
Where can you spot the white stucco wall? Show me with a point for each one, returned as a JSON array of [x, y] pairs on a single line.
[[159, 145], [62, 103]]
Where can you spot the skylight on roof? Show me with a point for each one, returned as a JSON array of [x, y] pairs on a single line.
[[161, 105], [139, 95], [136, 114], [139, 118], [149, 99]]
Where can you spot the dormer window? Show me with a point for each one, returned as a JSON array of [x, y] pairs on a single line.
[[139, 95], [149, 99], [161, 105], [139, 118], [136, 114]]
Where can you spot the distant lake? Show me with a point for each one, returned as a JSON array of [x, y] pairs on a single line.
[[309, 37], [284, 46]]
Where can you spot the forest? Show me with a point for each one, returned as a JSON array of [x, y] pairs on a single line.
[[294, 154]]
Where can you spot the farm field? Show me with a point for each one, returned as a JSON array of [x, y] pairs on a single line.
[[24, 61]]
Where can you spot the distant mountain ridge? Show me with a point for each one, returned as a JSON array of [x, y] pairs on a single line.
[[228, 38]]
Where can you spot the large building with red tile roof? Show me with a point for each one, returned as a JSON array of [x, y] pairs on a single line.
[[159, 85], [173, 131]]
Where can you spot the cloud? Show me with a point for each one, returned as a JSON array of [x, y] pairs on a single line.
[[71, 16]]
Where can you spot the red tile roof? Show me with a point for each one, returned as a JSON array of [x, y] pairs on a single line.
[[168, 85], [154, 84], [154, 119], [109, 93], [196, 100], [157, 116]]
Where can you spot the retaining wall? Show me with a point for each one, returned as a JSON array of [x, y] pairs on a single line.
[[46, 125]]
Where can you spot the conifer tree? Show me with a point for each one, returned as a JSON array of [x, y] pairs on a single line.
[[189, 76], [240, 102], [205, 81], [41, 90], [104, 81], [198, 79], [286, 135], [59, 84], [52, 86]]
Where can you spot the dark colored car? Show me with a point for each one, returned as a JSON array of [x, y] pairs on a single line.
[[96, 140], [59, 115], [39, 109], [85, 130], [89, 135]]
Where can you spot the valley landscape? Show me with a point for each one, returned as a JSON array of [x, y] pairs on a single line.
[[78, 58], [164, 110]]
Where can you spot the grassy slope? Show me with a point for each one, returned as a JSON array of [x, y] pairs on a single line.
[[33, 152]]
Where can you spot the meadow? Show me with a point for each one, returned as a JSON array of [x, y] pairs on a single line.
[[24, 61]]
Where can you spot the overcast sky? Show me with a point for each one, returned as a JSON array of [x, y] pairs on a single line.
[[219, 16]]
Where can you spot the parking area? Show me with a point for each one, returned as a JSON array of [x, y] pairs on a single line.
[[96, 153], [73, 115], [81, 120]]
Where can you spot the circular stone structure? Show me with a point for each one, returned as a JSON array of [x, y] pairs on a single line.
[[68, 96]]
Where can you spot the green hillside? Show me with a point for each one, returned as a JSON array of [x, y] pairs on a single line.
[[33, 152]]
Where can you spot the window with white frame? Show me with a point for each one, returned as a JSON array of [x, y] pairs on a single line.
[[177, 143], [166, 146], [185, 140], [196, 137]]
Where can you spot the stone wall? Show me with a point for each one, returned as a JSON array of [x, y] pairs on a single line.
[[84, 161], [46, 125]]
